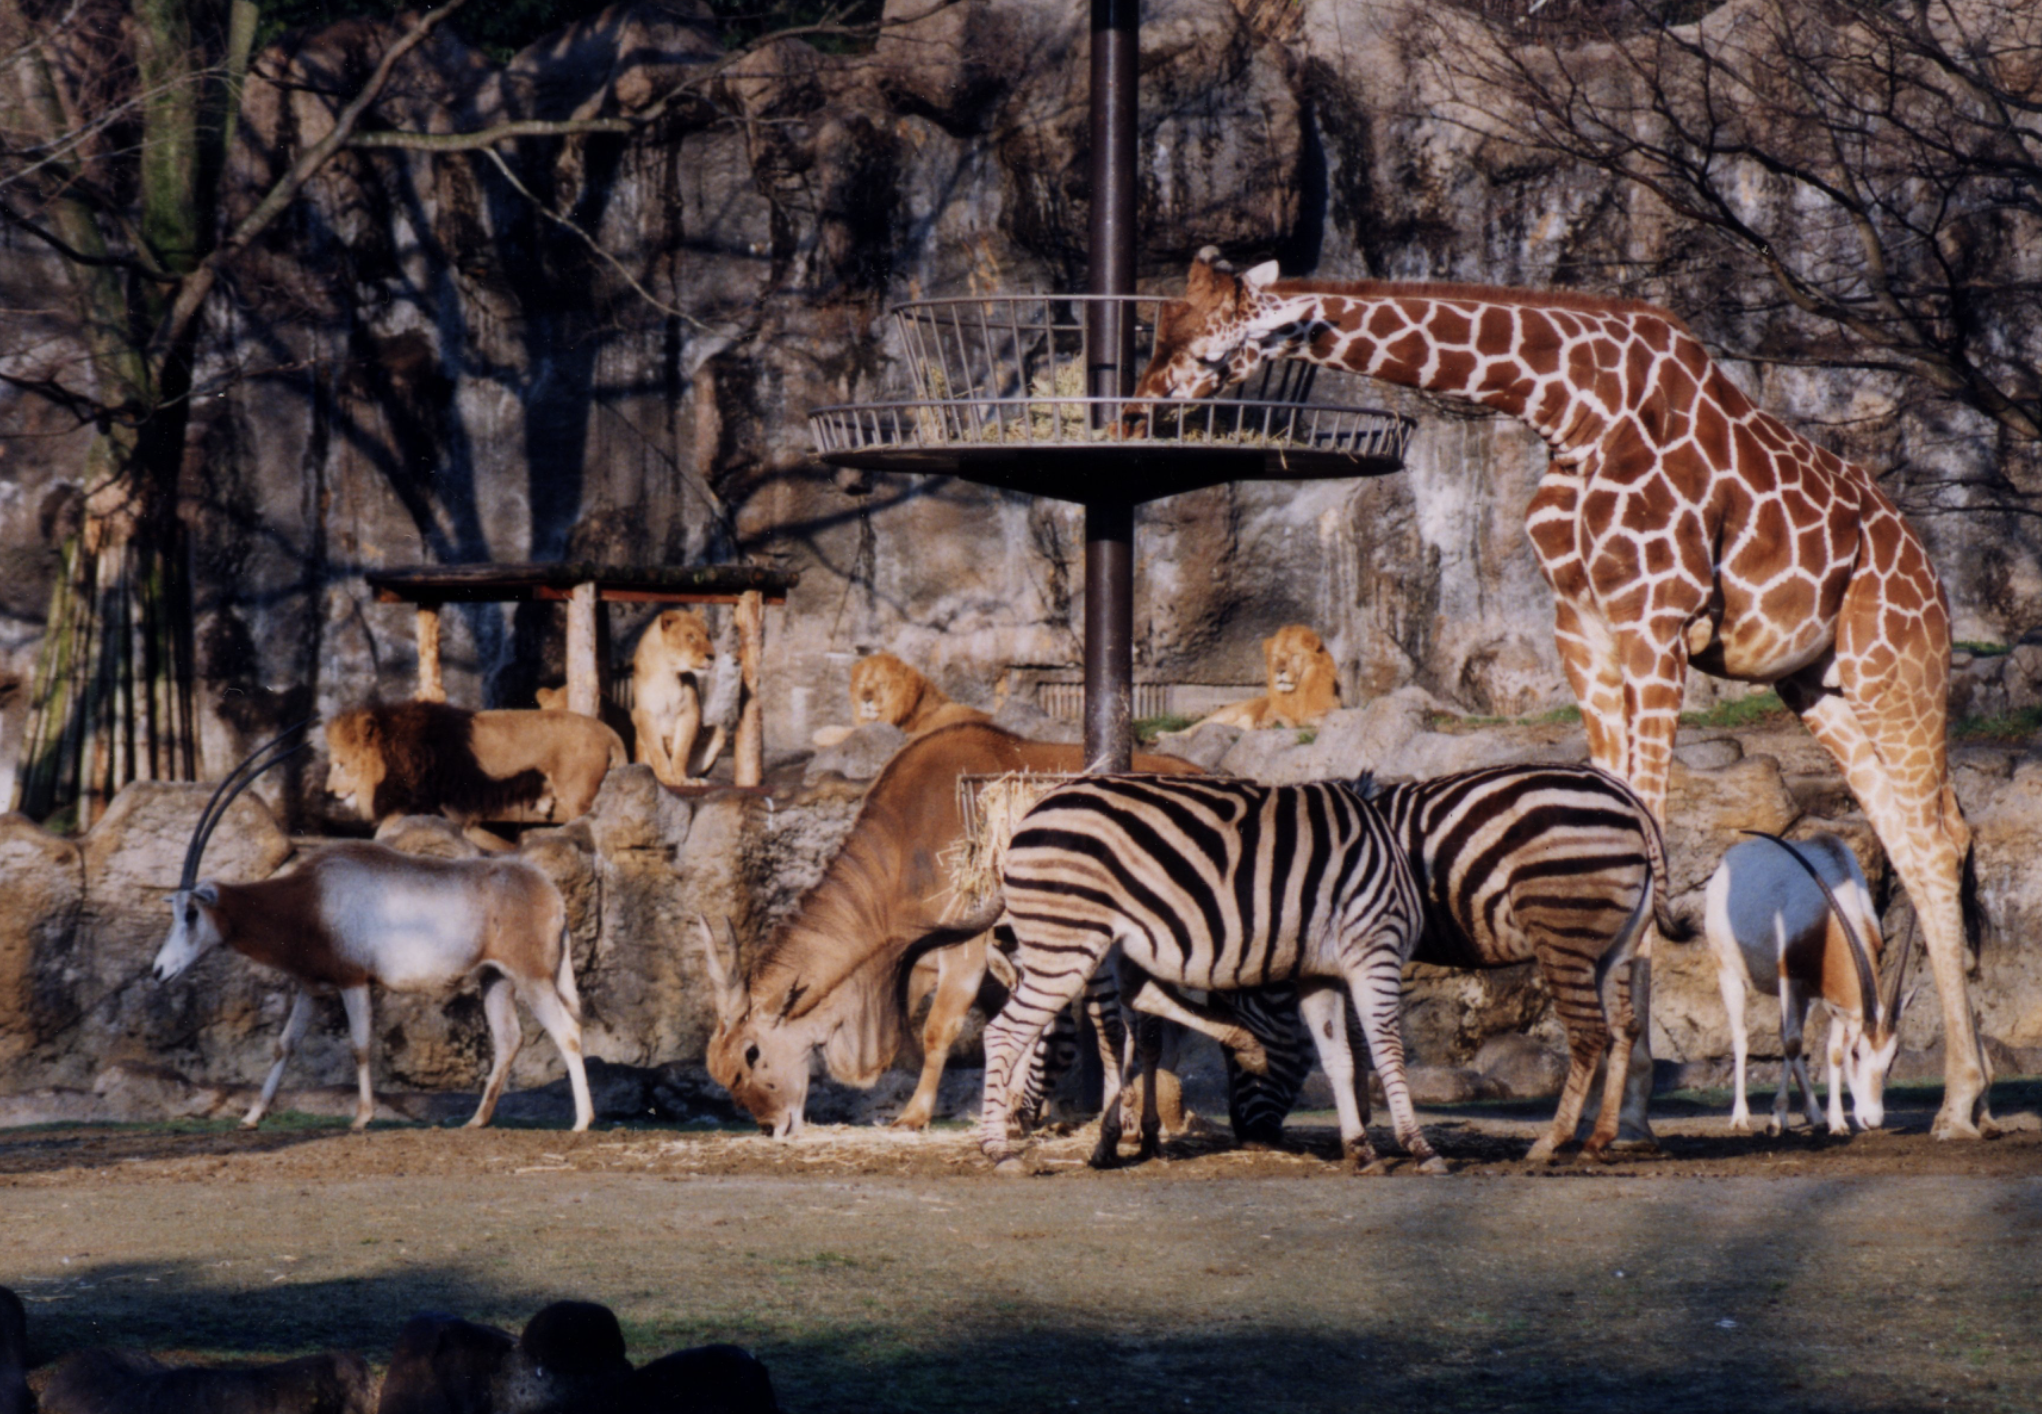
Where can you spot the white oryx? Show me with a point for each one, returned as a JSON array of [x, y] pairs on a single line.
[[1798, 918], [354, 914]]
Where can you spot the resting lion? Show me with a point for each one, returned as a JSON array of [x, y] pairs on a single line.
[[1303, 685], [884, 689], [668, 675], [429, 758]]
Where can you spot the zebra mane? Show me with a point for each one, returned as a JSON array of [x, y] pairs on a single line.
[[1367, 786]]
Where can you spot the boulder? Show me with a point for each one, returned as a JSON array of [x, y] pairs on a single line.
[[1023, 718], [858, 757], [42, 889], [1521, 1067]]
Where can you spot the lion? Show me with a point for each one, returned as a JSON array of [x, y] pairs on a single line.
[[1303, 685], [884, 689], [428, 758], [668, 678]]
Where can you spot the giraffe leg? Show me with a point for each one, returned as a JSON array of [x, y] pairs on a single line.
[[1877, 738]]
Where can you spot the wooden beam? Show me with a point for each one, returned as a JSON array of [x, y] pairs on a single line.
[[430, 688], [748, 752], [584, 679]]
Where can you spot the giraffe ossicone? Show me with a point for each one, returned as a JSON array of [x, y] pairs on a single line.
[[1680, 526]]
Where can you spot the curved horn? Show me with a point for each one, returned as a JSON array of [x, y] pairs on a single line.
[[1861, 957], [236, 781], [1893, 1002], [721, 967]]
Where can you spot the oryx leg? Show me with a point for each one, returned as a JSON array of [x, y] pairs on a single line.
[[959, 971], [1325, 1016], [1793, 1066], [563, 1024], [359, 1017], [286, 1042], [1840, 1037], [506, 1037], [1730, 982]]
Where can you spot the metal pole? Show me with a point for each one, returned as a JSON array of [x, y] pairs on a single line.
[[1109, 342], [1109, 635]]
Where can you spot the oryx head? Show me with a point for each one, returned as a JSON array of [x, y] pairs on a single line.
[[758, 1053], [195, 903], [1214, 337]]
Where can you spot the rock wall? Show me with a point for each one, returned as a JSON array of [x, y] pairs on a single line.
[[420, 367], [79, 922]]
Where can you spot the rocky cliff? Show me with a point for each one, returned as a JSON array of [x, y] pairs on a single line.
[[429, 367]]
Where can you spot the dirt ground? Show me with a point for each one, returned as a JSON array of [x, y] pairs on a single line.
[[883, 1271]]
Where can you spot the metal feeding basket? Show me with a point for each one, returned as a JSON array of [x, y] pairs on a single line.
[[999, 381]]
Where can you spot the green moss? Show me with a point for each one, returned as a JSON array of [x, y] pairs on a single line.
[[1749, 711], [1307, 737], [2008, 726], [1982, 650], [1147, 729]]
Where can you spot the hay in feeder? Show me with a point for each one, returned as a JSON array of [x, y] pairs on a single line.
[[992, 809]]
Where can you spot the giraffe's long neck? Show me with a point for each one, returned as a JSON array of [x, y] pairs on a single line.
[[1568, 368]]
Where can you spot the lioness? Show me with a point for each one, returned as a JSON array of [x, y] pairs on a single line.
[[666, 693], [884, 689], [426, 758], [1302, 680]]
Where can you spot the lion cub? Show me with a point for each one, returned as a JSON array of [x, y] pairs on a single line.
[[884, 689], [667, 683], [1302, 681]]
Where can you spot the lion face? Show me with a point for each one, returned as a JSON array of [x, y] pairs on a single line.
[[356, 764], [1303, 679], [683, 639], [884, 689]]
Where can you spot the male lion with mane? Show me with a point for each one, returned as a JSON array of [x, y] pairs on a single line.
[[1302, 681], [884, 689], [429, 758]]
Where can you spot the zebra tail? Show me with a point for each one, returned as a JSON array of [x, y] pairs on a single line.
[[1673, 927]]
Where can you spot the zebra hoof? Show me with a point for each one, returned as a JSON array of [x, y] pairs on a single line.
[[1434, 1165], [1543, 1152], [1374, 1168], [1014, 1166]]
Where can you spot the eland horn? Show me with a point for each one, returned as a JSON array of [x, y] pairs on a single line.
[[237, 780], [1861, 956]]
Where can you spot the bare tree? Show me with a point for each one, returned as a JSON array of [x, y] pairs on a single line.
[[117, 121], [1878, 161]]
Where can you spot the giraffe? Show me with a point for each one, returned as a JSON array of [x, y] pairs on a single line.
[[1679, 526]]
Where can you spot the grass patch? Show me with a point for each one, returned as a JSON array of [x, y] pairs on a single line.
[[1752, 711], [1453, 722], [1147, 729], [1982, 650], [2007, 726]]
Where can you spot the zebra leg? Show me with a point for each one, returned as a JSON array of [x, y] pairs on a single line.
[[1324, 1012], [1576, 998], [1011, 1037], [1053, 1056], [1116, 1058], [1377, 984], [1626, 1025], [1145, 994], [1257, 1104]]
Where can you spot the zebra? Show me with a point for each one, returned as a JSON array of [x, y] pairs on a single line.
[[1562, 865], [1216, 885]]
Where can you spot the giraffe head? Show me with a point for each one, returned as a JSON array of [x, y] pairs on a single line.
[[1212, 338]]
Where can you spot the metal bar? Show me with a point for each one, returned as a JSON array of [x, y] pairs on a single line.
[[1109, 635]]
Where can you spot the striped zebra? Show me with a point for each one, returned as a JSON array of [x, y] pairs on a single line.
[[1214, 885], [1561, 865]]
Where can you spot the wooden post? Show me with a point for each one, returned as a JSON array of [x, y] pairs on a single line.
[[430, 688], [584, 682], [748, 753]]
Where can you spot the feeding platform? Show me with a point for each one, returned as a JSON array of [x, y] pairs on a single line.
[[1022, 392]]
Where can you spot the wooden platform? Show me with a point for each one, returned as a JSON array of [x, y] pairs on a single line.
[[583, 588]]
